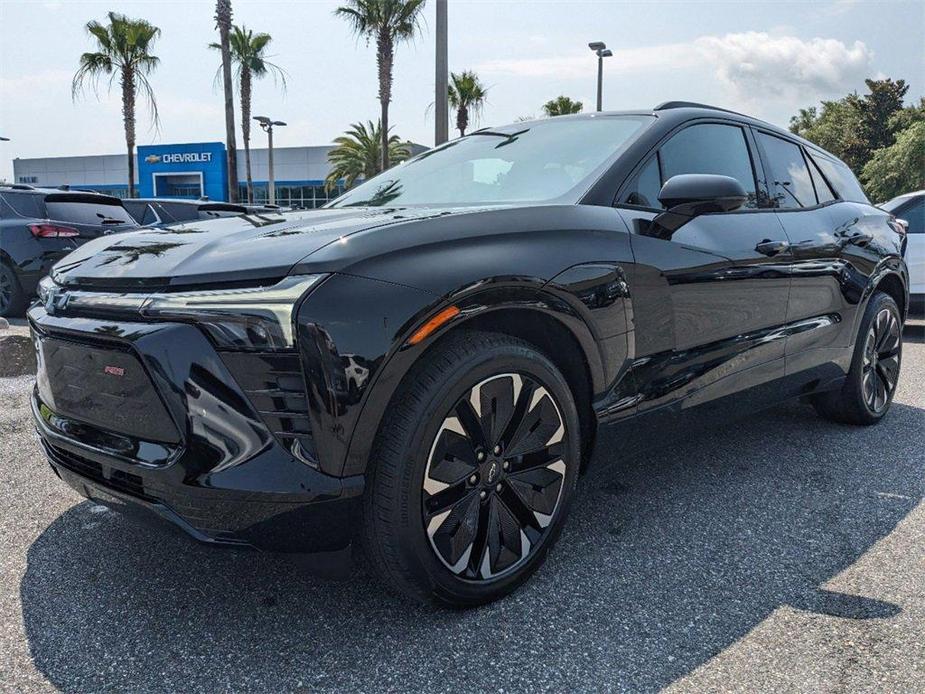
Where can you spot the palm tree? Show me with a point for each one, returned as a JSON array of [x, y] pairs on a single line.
[[562, 106], [467, 95], [358, 154], [223, 23], [124, 46], [248, 53], [388, 22]]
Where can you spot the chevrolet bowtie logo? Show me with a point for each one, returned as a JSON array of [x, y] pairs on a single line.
[[153, 158]]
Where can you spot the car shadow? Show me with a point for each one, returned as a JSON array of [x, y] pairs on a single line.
[[666, 560]]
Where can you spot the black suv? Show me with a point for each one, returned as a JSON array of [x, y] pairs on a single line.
[[38, 226], [425, 365]]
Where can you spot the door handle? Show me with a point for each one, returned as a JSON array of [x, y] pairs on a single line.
[[768, 247]]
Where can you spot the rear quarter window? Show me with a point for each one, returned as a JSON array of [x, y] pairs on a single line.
[[841, 178]]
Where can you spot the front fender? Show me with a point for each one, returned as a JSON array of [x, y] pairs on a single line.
[[353, 335]]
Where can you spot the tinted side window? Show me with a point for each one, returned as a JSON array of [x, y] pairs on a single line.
[[914, 213], [643, 191], [841, 178], [823, 190], [13, 205], [149, 216], [712, 149], [790, 183]]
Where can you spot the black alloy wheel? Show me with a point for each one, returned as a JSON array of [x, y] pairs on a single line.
[[870, 384], [881, 360], [494, 476], [473, 471]]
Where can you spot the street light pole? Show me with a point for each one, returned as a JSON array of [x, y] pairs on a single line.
[[267, 125], [602, 51], [441, 108]]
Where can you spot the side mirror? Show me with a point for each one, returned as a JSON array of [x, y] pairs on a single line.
[[688, 195]]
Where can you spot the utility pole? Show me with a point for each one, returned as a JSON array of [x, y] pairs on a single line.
[[441, 106]]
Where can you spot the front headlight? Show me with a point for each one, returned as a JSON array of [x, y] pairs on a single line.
[[245, 318], [249, 317]]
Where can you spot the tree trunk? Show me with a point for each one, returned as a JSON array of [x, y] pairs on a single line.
[[384, 59], [223, 20], [462, 120], [128, 118], [246, 129]]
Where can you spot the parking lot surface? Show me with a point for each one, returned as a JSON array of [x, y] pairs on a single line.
[[783, 552]]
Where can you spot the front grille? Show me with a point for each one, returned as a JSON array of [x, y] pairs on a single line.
[[275, 385], [118, 480], [103, 385]]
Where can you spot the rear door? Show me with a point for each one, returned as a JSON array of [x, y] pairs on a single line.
[[832, 260], [709, 301]]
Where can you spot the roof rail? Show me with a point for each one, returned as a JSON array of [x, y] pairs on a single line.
[[17, 186], [667, 105]]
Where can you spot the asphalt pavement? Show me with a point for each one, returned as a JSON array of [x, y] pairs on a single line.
[[779, 553]]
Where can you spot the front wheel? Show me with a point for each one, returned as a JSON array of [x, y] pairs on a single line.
[[472, 471], [868, 391]]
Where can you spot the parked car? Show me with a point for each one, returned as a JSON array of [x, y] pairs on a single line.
[[161, 212], [910, 209], [38, 226], [511, 298]]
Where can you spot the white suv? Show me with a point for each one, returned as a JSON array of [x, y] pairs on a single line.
[[911, 208]]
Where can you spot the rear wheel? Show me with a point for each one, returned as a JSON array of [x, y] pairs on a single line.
[[12, 299], [868, 391], [474, 469]]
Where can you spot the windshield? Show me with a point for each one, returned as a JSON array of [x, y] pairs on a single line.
[[539, 161], [896, 202]]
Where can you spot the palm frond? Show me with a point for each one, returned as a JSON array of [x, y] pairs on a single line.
[[357, 154]]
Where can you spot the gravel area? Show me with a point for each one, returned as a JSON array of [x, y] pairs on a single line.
[[782, 553]]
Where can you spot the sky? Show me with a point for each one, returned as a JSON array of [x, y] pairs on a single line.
[[767, 59]]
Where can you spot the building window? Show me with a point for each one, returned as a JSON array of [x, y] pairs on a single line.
[[297, 196]]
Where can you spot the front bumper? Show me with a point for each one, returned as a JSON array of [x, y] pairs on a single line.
[[219, 474]]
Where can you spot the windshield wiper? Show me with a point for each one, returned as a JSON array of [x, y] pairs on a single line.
[[509, 138]]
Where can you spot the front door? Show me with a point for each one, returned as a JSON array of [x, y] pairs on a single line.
[[710, 302]]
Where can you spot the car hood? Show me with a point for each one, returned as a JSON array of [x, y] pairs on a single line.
[[241, 249]]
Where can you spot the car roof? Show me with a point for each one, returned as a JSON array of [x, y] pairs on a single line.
[[912, 194], [678, 111], [25, 189], [173, 201]]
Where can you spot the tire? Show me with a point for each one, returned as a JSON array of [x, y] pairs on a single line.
[[448, 518], [868, 391], [12, 297]]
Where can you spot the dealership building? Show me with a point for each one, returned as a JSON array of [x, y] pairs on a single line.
[[191, 170]]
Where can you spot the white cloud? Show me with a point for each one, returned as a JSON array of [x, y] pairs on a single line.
[[756, 65], [580, 64], [746, 61], [765, 73], [13, 87]]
